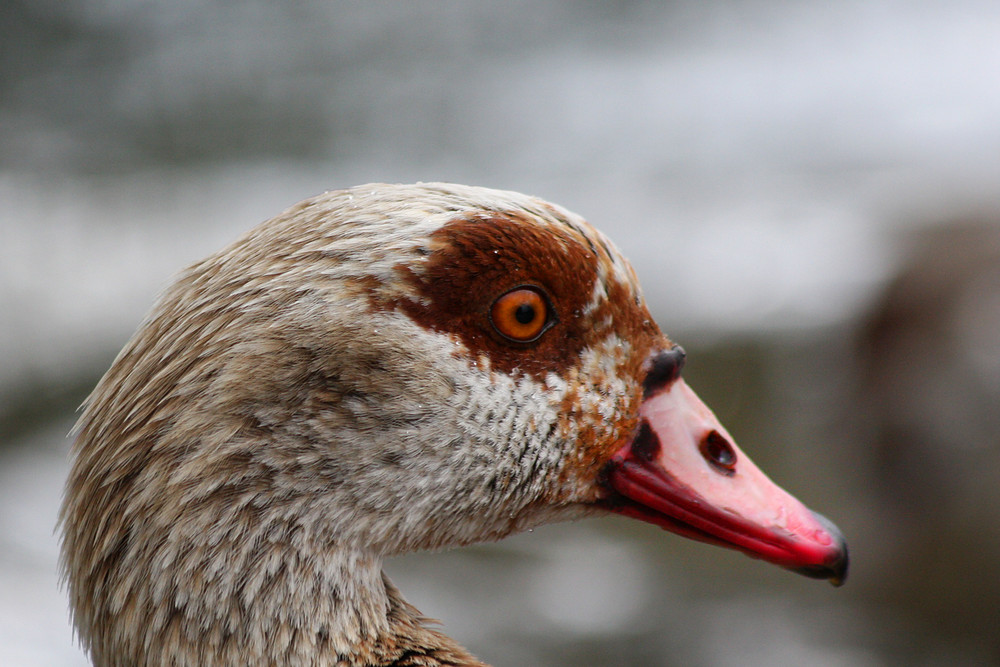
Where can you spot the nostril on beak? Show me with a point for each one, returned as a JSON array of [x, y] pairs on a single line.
[[664, 368], [719, 453]]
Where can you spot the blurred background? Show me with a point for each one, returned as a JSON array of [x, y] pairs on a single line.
[[810, 192]]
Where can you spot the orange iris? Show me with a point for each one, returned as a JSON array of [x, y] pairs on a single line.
[[520, 315]]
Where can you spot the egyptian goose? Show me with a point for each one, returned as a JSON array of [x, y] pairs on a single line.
[[376, 371]]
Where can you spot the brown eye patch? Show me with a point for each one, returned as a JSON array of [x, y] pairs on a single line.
[[474, 258], [521, 315]]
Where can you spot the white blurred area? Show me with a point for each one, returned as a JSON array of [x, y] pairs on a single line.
[[762, 163]]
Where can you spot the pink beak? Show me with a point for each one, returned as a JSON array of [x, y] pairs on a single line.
[[683, 472]]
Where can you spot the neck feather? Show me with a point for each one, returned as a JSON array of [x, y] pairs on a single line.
[[280, 607]]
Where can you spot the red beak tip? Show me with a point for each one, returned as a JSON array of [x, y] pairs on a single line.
[[835, 573], [836, 569]]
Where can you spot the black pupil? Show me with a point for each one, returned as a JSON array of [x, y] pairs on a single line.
[[525, 313]]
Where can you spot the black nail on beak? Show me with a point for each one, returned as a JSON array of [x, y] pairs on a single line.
[[664, 368]]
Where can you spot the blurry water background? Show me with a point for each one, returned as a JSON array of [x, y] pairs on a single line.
[[808, 190]]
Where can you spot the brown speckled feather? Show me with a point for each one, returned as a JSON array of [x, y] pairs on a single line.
[[327, 391]]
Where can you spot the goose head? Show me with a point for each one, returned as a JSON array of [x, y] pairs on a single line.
[[376, 371]]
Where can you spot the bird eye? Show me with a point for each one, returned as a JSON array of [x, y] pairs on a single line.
[[522, 314]]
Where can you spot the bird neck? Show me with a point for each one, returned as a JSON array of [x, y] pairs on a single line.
[[291, 607]]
